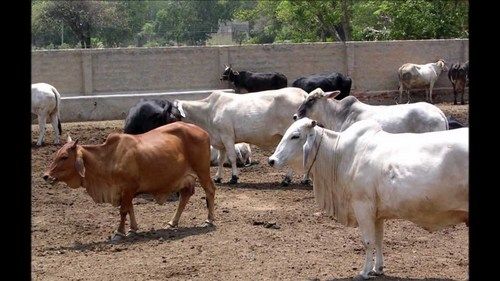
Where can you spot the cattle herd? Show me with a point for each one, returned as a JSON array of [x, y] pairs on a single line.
[[367, 163]]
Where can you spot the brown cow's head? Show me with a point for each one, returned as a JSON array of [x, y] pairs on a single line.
[[67, 165]]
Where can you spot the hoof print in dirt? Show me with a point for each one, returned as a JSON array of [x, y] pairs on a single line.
[[265, 224]]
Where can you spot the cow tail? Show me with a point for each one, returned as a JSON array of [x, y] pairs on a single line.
[[58, 101], [348, 85]]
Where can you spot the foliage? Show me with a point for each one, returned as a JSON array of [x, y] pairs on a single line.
[[63, 24]]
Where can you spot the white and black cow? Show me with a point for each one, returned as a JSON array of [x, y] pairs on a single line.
[[254, 82], [148, 114], [327, 82], [458, 75]]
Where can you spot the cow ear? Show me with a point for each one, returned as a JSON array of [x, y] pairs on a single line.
[[74, 145], [79, 166], [181, 110], [236, 72], [307, 148], [312, 124], [331, 95]]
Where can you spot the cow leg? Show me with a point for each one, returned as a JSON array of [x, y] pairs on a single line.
[[209, 187], [42, 118], [366, 219], [133, 223], [400, 92], [454, 95], [220, 170], [430, 92], [408, 94], [379, 237], [462, 100], [55, 122], [186, 193], [231, 154]]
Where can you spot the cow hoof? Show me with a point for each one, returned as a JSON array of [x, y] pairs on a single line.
[[376, 272], [363, 277], [207, 223], [286, 181], [171, 225], [218, 180], [117, 237], [234, 179], [306, 182], [38, 144], [132, 234]]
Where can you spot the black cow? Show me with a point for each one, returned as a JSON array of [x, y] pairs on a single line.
[[327, 82], [454, 123], [149, 114], [254, 82], [458, 75]]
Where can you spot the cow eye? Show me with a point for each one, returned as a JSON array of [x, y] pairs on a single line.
[[294, 137], [64, 157]]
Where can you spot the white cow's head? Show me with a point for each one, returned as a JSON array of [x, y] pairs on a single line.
[[296, 145], [316, 101]]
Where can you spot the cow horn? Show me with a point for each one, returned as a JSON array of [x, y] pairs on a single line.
[[69, 138]]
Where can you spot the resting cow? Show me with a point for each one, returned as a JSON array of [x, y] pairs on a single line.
[[159, 162], [458, 78], [364, 175], [419, 76], [402, 118], [254, 82], [147, 115], [454, 123], [327, 82], [259, 118], [45, 103], [243, 155]]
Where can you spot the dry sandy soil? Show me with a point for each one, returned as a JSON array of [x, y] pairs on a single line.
[[70, 232]]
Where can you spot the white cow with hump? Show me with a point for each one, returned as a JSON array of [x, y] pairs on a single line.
[[338, 115], [365, 175], [45, 103], [243, 155], [258, 118]]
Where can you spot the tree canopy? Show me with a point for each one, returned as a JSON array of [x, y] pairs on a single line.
[[86, 24]]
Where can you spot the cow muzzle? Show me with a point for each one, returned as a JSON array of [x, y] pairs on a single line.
[[49, 179]]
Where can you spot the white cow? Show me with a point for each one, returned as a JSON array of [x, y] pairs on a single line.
[[243, 155], [45, 103], [259, 118], [419, 76], [364, 175], [338, 115]]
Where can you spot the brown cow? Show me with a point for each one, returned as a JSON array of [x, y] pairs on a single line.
[[159, 162]]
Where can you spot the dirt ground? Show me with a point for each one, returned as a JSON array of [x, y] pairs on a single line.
[[70, 232]]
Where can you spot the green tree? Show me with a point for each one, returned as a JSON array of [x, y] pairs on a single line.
[[85, 18]]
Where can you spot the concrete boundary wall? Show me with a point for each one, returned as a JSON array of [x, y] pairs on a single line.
[[371, 65]]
